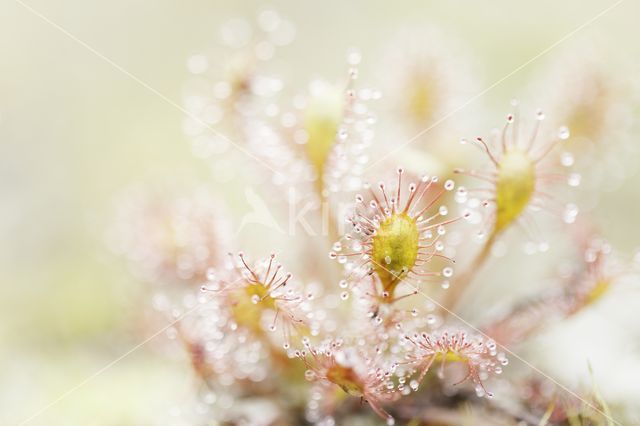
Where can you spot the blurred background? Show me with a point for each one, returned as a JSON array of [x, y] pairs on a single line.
[[75, 131]]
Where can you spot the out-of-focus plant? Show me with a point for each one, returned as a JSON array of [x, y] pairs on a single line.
[[371, 329]]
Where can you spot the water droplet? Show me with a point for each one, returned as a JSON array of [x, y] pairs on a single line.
[[570, 213], [172, 333], [447, 272], [344, 295], [574, 179], [566, 159], [564, 133], [443, 210], [461, 195], [354, 57], [197, 64], [449, 185]]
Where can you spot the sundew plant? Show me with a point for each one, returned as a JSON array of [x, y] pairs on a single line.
[[382, 223]]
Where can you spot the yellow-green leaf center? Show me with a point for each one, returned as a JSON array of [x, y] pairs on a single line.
[[395, 249], [322, 119], [250, 303], [514, 187]]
